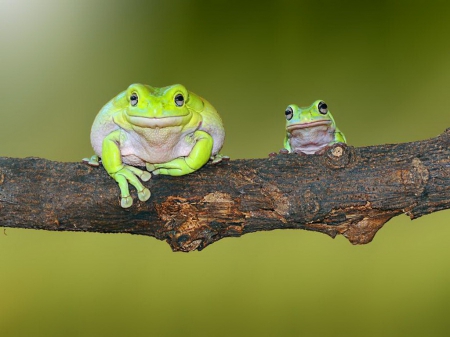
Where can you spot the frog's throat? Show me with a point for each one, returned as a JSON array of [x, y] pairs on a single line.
[[162, 122], [301, 125]]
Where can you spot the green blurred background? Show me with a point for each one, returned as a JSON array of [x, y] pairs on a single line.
[[383, 67]]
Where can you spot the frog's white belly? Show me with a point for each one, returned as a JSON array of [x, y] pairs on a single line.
[[158, 145], [311, 140]]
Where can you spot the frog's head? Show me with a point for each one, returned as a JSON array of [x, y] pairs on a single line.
[[316, 115], [151, 107]]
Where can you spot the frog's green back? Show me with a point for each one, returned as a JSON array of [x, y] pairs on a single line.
[[212, 123]]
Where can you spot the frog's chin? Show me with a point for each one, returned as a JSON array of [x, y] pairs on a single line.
[[296, 126], [162, 122]]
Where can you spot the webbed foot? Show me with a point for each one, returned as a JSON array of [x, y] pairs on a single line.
[[218, 158], [92, 161], [130, 174], [176, 167]]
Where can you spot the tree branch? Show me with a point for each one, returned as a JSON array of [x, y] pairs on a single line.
[[349, 191]]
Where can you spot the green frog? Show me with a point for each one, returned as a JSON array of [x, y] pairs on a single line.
[[168, 130], [310, 129]]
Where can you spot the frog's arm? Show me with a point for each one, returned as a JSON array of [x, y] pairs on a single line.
[[339, 137], [122, 174], [287, 145], [199, 156]]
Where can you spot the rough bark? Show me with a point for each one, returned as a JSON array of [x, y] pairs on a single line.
[[346, 190]]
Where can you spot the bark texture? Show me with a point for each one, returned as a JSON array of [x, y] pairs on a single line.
[[346, 190]]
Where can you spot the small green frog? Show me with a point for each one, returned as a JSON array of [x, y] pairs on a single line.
[[311, 129], [169, 130]]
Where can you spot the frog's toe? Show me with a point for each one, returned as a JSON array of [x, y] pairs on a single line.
[[126, 202], [144, 195], [145, 176], [150, 167], [125, 197], [92, 161], [219, 158]]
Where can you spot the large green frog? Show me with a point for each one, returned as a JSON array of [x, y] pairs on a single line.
[[169, 130]]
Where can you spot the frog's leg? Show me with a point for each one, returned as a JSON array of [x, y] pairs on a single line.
[[339, 137], [123, 174], [198, 157], [287, 146]]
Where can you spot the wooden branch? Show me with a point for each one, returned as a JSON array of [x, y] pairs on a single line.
[[349, 191]]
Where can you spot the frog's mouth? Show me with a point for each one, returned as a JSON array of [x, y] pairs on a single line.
[[297, 126], [156, 122]]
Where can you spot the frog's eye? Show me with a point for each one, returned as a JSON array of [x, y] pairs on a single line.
[[179, 100], [323, 108], [289, 113], [134, 99]]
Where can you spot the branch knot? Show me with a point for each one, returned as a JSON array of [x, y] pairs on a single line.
[[338, 156]]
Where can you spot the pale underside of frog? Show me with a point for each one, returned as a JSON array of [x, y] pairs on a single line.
[[310, 129], [168, 130]]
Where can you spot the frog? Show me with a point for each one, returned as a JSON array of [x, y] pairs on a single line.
[[168, 130], [310, 130]]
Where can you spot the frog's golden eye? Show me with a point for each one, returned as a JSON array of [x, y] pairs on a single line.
[[289, 112], [134, 99], [323, 108], [179, 100]]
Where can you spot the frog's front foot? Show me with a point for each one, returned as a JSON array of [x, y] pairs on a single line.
[[129, 174], [218, 158], [176, 167], [92, 161]]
